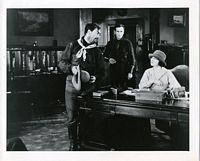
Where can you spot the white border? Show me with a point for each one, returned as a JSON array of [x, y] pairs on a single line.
[[192, 155]]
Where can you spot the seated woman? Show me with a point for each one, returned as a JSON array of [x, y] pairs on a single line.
[[158, 77]]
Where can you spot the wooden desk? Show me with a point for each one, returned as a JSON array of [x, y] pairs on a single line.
[[175, 111]]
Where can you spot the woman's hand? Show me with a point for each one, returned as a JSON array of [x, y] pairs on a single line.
[[156, 82], [150, 82]]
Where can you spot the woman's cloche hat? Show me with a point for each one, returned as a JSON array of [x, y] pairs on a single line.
[[159, 55]]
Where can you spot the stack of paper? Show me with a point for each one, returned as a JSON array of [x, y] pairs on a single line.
[[128, 92], [100, 93]]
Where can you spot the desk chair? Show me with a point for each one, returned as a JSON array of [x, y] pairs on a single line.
[[181, 72]]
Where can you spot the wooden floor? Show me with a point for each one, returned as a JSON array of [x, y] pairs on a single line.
[[49, 133]]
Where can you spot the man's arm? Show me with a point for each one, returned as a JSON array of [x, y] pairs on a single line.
[[131, 57], [107, 51], [65, 62], [99, 65], [107, 54]]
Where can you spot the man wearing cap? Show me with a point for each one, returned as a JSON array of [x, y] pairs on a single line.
[[83, 63], [158, 77]]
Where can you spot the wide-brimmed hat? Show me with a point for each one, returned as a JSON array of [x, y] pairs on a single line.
[[159, 55], [84, 78]]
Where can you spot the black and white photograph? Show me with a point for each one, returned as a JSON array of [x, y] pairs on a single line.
[[95, 80]]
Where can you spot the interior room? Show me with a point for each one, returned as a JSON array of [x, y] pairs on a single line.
[[36, 112]]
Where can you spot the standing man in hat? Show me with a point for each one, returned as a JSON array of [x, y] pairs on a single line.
[[158, 77], [83, 63], [120, 55]]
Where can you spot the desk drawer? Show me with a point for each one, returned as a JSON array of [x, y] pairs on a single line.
[[145, 113], [183, 118], [98, 107]]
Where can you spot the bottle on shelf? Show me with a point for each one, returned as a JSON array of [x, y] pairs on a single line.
[[35, 43]]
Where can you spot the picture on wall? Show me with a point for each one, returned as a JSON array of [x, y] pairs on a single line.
[[177, 19], [34, 22]]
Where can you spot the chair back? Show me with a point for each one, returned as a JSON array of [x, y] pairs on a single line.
[[181, 72]]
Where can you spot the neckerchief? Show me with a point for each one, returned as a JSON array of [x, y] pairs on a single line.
[[82, 51]]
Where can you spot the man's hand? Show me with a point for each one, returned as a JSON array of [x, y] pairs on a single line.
[[112, 61], [74, 70], [92, 79], [130, 75]]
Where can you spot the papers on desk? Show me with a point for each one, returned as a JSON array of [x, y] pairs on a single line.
[[129, 92], [99, 93], [145, 94], [182, 99]]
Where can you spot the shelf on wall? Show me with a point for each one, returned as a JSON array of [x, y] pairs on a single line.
[[26, 60]]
